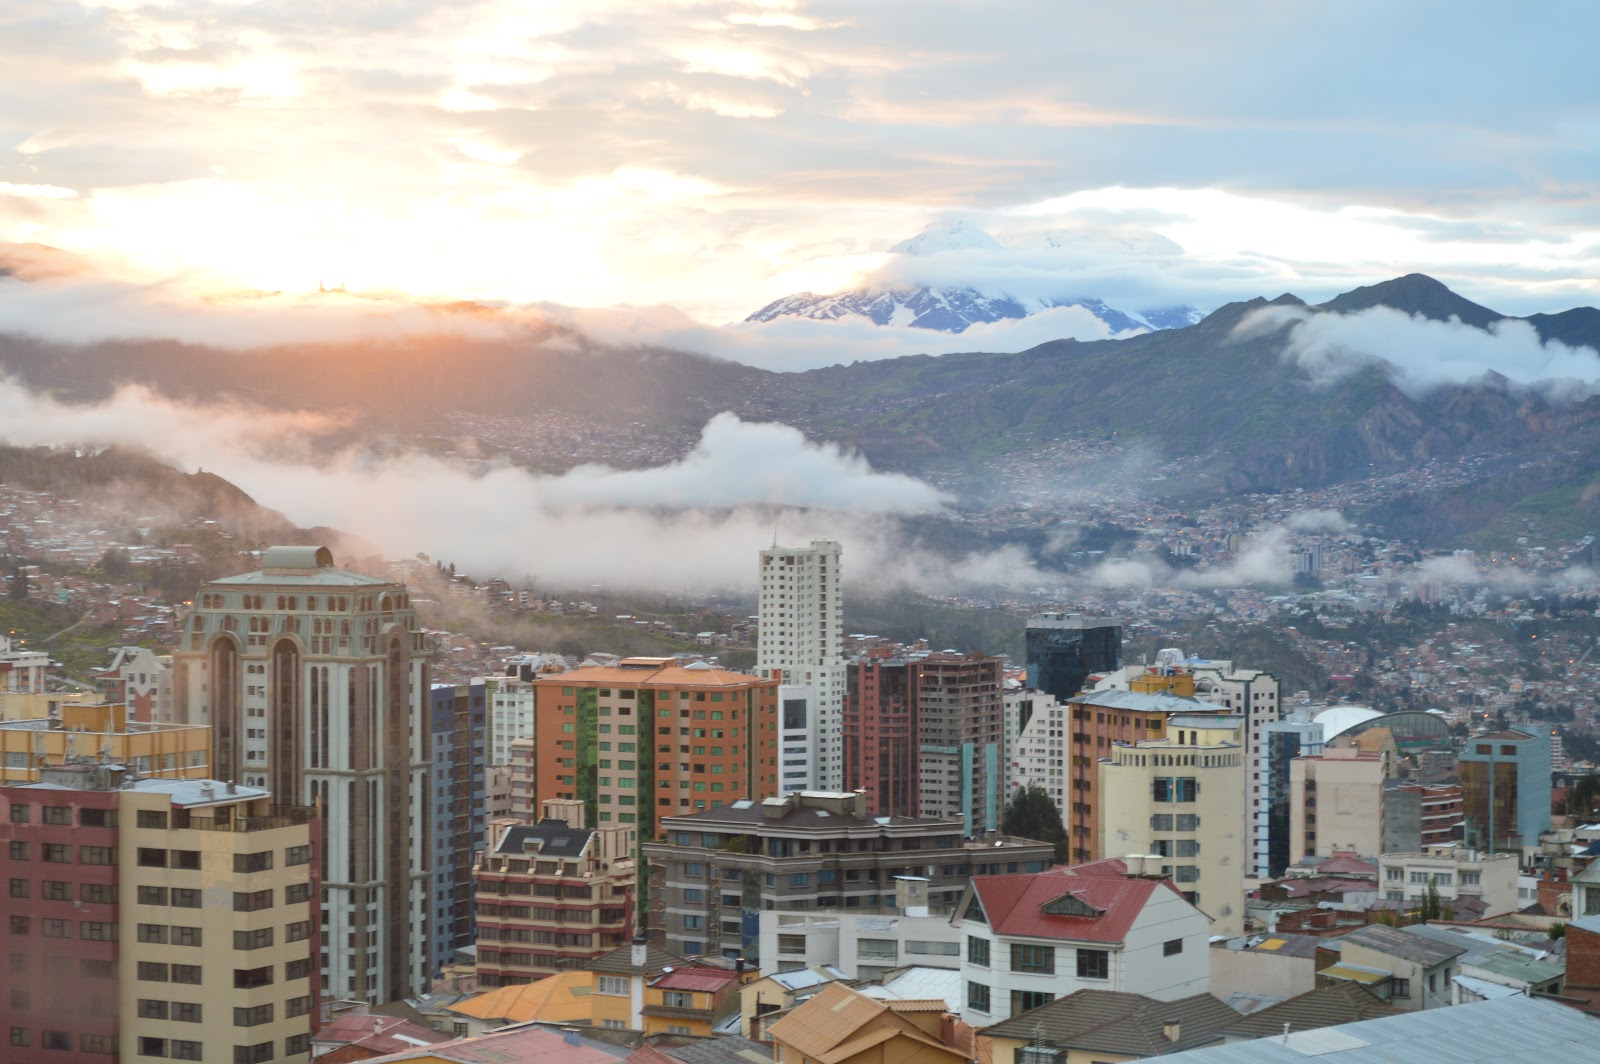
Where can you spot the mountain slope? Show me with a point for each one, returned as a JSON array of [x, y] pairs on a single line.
[[955, 309]]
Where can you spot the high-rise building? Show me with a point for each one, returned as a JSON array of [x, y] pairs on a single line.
[[923, 737], [1099, 722], [648, 738], [510, 717], [1181, 799], [797, 737], [801, 633], [1336, 803], [157, 918], [1063, 649], [458, 780], [1255, 695], [315, 682], [1281, 743], [1505, 788]]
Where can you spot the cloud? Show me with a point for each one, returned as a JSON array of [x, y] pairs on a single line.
[[1422, 354], [1263, 560], [1312, 521], [691, 524]]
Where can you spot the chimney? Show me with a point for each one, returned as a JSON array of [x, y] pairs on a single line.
[[639, 953], [1169, 1029]]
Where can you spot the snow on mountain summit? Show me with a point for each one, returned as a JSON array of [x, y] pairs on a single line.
[[956, 236]]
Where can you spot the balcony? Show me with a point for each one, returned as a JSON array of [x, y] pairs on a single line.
[[287, 817]]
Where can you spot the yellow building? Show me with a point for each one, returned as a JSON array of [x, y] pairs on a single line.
[[1178, 801], [104, 732], [21, 705], [777, 992]]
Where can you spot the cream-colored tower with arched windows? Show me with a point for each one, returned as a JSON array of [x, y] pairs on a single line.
[[314, 681]]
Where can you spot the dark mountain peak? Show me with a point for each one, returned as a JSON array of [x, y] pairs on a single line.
[[1229, 314], [1415, 293], [1288, 299], [1578, 327]]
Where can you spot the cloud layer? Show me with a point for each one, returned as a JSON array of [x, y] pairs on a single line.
[[1421, 354]]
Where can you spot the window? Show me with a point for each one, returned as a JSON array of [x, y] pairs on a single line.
[[791, 943], [1400, 988], [252, 1017], [299, 1006], [615, 985], [152, 933], [189, 859], [185, 936], [296, 893], [19, 888], [1023, 1000], [57, 853], [978, 997], [152, 895], [251, 901], [977, 951], [294, 1045], [19, 850], [186, 973], [152, 1047], [1040, 960], [250, 978], [252, 1054], [185, 898], [152, 972], [184, 1050], [1394, 875], [258, 939], [97, 855], [152, 1009], [933, 949], [19, 813], [56, 890], [152, 818], [298, 931], [58, 814], [294, 855], [677, 999], [252, 862], [1172, 947], [98, 893], [1094, 964], [53, 928], [152, 858], [297, 969]]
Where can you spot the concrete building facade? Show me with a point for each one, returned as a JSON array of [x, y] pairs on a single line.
[[1505, 788], [315, 682], [1180, 802], [141, 680], [800, 634], [1336, 803], [153, 918], [78, 730], [458, 786], [1455, 873]]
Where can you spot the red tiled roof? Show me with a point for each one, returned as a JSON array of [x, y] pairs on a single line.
[[1014, 904], [705, 980], [1348, 864], [382, 1034], [1110, 867]]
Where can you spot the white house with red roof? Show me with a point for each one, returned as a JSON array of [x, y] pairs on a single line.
[[1031, 938]]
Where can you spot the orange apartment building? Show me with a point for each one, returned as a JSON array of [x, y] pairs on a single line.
[[648, 738]]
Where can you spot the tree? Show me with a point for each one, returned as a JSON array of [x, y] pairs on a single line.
[[1031, 814], [1431, 908]]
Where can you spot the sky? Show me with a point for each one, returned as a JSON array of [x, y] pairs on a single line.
[[689, 162]]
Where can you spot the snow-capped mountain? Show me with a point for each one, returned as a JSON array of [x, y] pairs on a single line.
[[954, 309]]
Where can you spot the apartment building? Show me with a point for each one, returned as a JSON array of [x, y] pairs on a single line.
[[923, 736], [510, 717], [1336, 803], [1455, 873], [649, 738], [123, 943], [141, 680], [1419, 817], [1180, 801], [800, 636], [22, 671], [458, 794], [82, 729], [862, 944], [315, 681], [798, 736], [1100, 720], [1030, 939], [551, 896], [716, 871]]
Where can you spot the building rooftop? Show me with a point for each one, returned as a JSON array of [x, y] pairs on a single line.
[[1488, 1032], [1062, 905], [1117, 1023], [1328, 1006], [620, 962], [1145, 703], [555, 839], [651, 672], [1396, 943], [517, 1045]]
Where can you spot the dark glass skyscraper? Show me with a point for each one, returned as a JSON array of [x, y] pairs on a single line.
[[1064, 648]]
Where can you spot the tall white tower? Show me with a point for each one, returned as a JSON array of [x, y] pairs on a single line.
[[801, 633]]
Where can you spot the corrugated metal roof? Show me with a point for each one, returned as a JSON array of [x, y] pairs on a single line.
[[1486, 1032], [1137, 700]]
